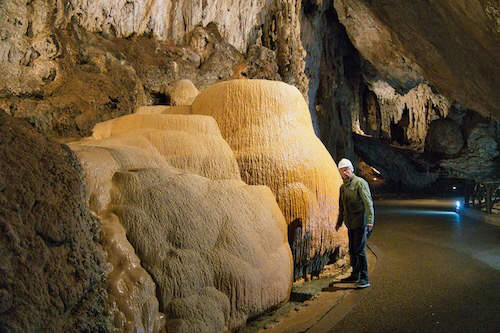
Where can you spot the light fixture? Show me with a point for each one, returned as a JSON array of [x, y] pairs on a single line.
[[454, 187]]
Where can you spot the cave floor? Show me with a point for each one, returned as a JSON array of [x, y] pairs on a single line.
[[435, 271]]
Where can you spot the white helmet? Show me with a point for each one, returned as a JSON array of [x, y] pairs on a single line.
[[345, 163]]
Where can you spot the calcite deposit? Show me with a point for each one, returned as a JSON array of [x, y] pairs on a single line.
[[132, 292], [381, 80], [268, 126], [216, 248], [181, 93], [188, 142]]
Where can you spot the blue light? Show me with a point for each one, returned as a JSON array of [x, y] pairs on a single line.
[[457, 204]]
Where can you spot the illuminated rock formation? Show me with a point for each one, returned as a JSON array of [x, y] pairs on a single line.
[[215, 247], [267, 123], [132, 291], [182, 93], [163, 109], [217, 250], [411, 113]]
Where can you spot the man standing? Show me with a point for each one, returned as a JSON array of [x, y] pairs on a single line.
[[356, 211]]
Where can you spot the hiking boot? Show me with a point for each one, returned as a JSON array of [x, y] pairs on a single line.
[[352, 278], [363, 283]]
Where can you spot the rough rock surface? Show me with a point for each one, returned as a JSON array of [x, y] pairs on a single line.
[[405, 118], [394, 164], [268, 126], [216, 249], [181, 93], [172, 19], [454, 44], [333, 67], [52, 268], [132, 292], [68, 65], [481, 158], [189, 142], [444, 137]]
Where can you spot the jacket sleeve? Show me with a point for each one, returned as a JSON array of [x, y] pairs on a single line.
[[366, 197]]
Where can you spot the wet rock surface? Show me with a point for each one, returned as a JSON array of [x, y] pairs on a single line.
[[444, 137], [52, 267]]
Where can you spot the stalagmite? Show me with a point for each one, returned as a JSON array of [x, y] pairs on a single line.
[[215, 247], [267, 124], [182, 93]]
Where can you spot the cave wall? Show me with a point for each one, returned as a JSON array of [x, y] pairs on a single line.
[[52, 267], [383, 82], [68, 65]]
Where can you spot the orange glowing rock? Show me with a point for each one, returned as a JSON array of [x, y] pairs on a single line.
[[215, 247], [268, 125]]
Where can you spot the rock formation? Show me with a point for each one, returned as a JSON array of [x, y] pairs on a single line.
[[132, 292], [215, 247], [444, 137], [181, 93], [52, 268], [453, 44], [394, 163], [268, 126], [382, 81]]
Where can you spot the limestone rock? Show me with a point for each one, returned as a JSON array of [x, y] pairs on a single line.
[[444, 137], [171, 19], [52, 266], [163, 109], [182, 93], [410, 113], [216, 249], [132, 292], [268, 126], [188, 142], [443, 42], [394, 165], [480, 159]]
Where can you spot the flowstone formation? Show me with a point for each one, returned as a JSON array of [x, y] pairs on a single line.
[[51, 263], [267, 124], [215, 247]]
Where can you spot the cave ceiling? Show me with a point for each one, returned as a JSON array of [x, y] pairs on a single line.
[[452, 44]]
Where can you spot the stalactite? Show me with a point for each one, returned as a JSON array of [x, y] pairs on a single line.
[[423, 105]]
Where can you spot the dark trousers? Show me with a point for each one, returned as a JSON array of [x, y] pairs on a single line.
[[357, 251]]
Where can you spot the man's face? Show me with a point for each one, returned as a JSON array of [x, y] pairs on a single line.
[[345, 173]]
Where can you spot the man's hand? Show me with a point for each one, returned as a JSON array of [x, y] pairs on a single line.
[[369, 229]]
